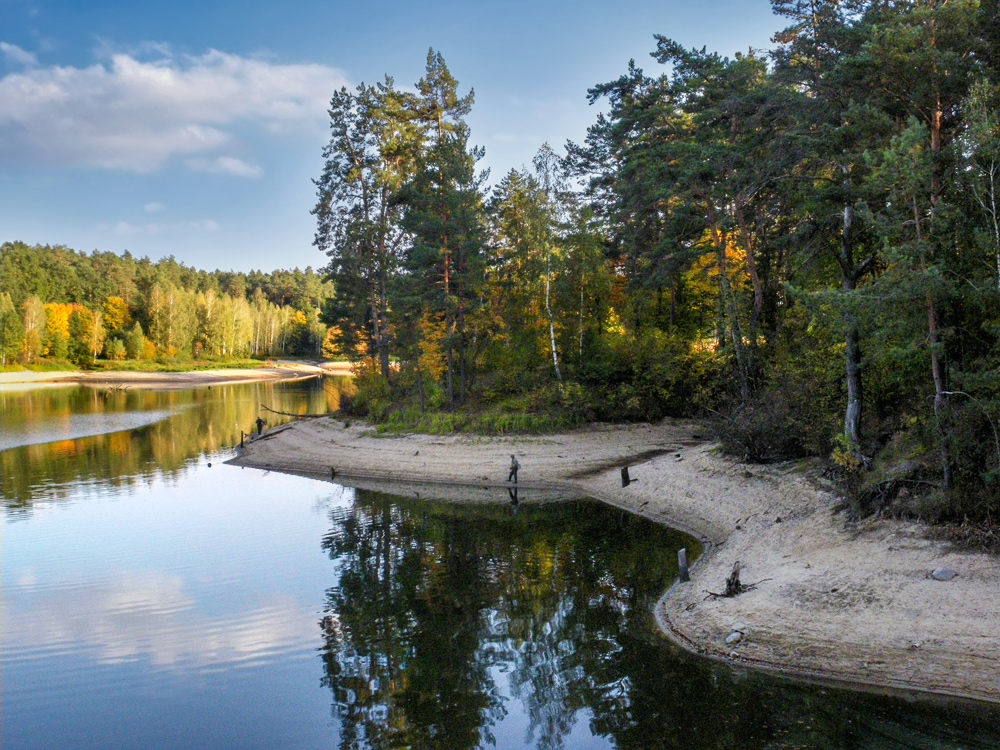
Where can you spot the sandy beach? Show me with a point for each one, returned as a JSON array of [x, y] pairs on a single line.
[[834, 601], [278, 371]]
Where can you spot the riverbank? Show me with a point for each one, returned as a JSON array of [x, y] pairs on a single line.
[[277, 372], [833, 600]]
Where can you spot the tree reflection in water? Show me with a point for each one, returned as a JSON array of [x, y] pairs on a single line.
[[447, 618], [194, 422]]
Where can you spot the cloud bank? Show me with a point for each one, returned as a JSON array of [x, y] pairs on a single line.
[[129, 114]]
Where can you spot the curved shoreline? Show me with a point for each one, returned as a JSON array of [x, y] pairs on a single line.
[[852, 605], [279, 372]]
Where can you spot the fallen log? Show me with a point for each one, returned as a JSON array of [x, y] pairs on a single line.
[[290, 414]]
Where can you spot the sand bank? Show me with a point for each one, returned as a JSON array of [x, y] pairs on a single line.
[[279, 371], [834, 600]]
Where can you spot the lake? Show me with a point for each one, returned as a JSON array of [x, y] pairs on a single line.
[[155, 597]]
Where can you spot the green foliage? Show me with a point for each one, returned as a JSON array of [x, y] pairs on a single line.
[[11, 330], [81, 321], [478, 423], [135, 342], [184, 312], [372, 398], [782, 421], [114, 350], [399, 213], [48, 365], [795, 412], [176, 365], [652, 376]]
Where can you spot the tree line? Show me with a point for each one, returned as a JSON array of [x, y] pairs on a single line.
[[805, 240], [56, 303]]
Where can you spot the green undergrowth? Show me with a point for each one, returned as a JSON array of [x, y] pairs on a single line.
[[175, 365], [48, 365], [102, 365], [472, 421]]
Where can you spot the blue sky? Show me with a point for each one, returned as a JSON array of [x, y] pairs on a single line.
[[193, 129]]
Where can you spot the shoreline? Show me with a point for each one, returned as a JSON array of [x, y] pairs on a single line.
[[850, 604], [277, 372]]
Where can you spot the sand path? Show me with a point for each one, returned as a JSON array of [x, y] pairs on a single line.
[[835, 601]]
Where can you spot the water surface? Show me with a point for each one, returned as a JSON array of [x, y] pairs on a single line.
[[155, 597]]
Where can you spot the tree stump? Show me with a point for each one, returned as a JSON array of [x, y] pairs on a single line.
[[733, 585]]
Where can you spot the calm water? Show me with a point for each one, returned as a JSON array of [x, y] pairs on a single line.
[[155, 597]]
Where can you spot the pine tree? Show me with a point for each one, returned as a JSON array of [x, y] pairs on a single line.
[[371, 154], [443, 213]]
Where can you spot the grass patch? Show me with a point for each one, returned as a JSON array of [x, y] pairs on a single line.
[[176, 366], [48, 365], [976, 537], [473, 422], [145, 365]]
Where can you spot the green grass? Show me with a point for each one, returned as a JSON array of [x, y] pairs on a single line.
[[131, 365], [175, 366], [44, 366], [490, 422]]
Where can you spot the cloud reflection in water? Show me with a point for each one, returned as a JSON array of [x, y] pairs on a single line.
[[150, 617]]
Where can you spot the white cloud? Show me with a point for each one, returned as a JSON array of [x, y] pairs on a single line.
[[205, 225], [127, 229], [17, 55], [131, 114], [154, 207], [153, 229], [225, 165]]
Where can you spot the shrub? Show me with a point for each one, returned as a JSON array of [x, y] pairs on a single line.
[[783, 422], [114, 349]]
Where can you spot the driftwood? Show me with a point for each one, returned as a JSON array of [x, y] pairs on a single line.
[[733, 585], [290, 414], [270, 434]]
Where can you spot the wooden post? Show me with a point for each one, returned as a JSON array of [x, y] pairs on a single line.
[[625, 478], [241, 438], [682, 564], [333, 473]]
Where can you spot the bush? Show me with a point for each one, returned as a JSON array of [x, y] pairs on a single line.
[[114, 349], [973, 447], [373, 396], [135, 343], [782, 422], [653, 376]]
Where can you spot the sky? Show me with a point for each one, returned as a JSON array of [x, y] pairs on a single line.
[[195, 128]]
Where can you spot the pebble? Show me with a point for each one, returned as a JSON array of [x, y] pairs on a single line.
[[739, 627], [943, 574], [734, 637]]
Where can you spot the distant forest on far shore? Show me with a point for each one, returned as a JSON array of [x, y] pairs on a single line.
[[60, 304]]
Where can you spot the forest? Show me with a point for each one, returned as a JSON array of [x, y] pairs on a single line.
[[802, 243], [60, 305]]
